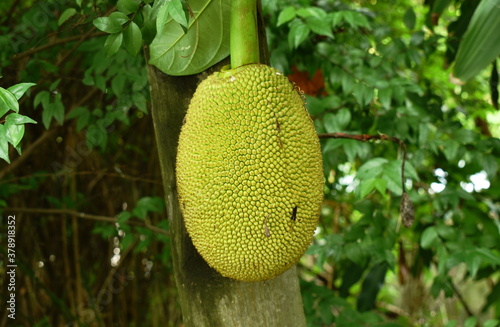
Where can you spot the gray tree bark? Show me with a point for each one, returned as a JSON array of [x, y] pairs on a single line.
[[207, 298]]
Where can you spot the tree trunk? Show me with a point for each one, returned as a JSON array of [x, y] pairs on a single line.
[[207, 298]]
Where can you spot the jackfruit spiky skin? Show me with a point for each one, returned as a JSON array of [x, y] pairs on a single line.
[[249, 173]]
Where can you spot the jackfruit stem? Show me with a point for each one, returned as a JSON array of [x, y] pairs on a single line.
[[244, 40]]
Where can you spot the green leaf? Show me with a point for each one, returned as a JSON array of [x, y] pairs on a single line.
[[488, 255], [469, 257], [127, 6], [429, 237], [410, 18], [47, 115], [381, 185], [297, 34], [336, 18], [148, 30], [330, 123], [139, 101], [349, 18], [118, 83], [347, 82], [112, 44], [120, 17], [143, 245], [58, 109], [371, 286], [450, 149], [392, 174], [363, 93], [83, 117], [410, 171], [470, 322], [355, 253], [372, 168], [108, 25], [123, 217], [19, 89], [493, 296], [286, 15], [481, 42], [146, 204], [43, 97], [465, 136], [491, 323], [351, 148], [311, 12], [66, 14], [8, 101], [14, 133], [343, 118], [4, 144], [17, 119], [127, 240], [132, 38], [367, 186], [205, 43], [489, 164], [326, 313], [315, 106], [54, 85], [446, 232], [175, 10], [162, 18], [318, 26]]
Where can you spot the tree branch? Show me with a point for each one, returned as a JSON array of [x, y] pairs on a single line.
[[57, 42], [406, 207], [83, 173], [366, 138], [82, 215]]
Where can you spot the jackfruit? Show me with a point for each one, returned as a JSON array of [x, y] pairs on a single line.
[[249, 173]]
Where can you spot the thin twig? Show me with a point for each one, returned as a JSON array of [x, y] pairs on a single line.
[[406, 207], [366, 138], [55, 43], [26, 153], [88, 216], [80, 173]]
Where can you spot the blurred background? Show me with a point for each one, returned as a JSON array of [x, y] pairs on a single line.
[[92, 237]]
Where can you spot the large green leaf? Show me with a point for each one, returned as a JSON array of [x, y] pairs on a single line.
[[4, 144], [7, 101], [205, 43], [481, 42], [19, 89]]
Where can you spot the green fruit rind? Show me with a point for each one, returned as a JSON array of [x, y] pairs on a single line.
[[249, 173]]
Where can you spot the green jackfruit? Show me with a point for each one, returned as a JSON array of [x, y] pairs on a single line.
[[249, 173]]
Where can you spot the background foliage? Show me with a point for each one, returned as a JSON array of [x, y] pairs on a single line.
[[86, 190]]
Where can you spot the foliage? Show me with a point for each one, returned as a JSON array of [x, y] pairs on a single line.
[[481, 43], [12, 127], [382, 74], [184, 39], [87, 190]]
